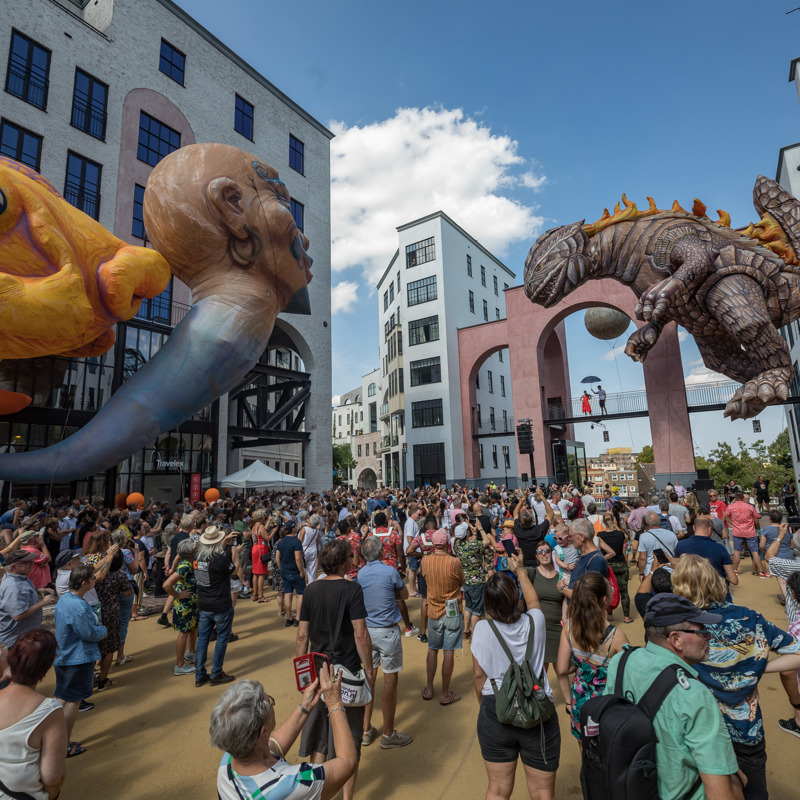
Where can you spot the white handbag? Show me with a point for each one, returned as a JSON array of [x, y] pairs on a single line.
[[355, 686]]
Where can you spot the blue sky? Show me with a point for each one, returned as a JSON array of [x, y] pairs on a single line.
[[519, 116]]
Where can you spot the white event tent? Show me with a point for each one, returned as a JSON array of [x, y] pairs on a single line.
[[259, 475]]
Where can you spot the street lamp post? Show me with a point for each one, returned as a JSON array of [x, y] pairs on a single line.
[[405, 450], [505, 464]]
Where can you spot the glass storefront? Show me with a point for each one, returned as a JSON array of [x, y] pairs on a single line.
[[569, 462]]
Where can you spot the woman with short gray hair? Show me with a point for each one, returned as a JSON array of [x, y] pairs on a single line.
[[311, 539], [243, 725]]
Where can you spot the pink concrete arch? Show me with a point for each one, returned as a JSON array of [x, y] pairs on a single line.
[[539, 370]]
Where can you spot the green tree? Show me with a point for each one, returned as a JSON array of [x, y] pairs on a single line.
[[744, 465], [646, 456], [343, 461]]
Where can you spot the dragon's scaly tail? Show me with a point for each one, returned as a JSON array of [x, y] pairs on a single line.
[[770, 198]]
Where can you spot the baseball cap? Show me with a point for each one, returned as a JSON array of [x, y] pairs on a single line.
[[671, 609], [460, 531], [439, 538], [19, 556], [65, 556]]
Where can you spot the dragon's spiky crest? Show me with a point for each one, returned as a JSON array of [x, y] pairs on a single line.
[[767, 232]]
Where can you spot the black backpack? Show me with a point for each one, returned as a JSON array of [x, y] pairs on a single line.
[[619, 742]]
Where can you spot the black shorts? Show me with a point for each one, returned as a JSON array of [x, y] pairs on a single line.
[[539, 748], [422, 585], [317, 735]]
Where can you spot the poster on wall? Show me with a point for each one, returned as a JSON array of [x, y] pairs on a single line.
[[194, 491]]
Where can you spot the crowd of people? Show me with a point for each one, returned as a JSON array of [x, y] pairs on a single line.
[[528, 579]]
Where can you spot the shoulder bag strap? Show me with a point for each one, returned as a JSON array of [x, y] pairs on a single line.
[[529, 648], [662, 544], [502, 641], [626, 654], [339, 618], [666, 681]]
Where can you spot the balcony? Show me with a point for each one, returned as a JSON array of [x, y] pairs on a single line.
[[30, 87], [84, 199], [89, 118], [384, 410], [386, 442]]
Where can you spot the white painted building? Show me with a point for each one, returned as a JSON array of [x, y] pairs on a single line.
[[439, 280], [96, 92]]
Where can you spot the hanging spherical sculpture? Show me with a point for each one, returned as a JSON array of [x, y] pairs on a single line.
[[606, 323]]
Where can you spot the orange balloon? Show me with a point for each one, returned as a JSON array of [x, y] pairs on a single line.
[[119, 501], [212, 495], [137, 498]]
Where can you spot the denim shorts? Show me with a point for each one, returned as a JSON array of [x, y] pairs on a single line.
[[445, 633], [740, 541], [473, 599], [293, 582], [387, 649], [413, 563], [74, 682], [422, 585]]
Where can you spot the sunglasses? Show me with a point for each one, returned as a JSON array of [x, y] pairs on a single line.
[[543, 552], [703, 634]]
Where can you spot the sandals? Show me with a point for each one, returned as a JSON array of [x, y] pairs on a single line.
[[124, 660], [75, 749], [102, 685], [452, 697]]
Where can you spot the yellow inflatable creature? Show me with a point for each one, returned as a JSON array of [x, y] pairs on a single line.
[[64, 279]]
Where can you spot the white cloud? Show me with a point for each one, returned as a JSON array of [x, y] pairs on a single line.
[[612, 353], [343, 296], [703, 375], [420, 161], [336, 399], [682, 335]]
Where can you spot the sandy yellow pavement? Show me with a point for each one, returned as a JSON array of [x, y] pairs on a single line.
[[148, 734]]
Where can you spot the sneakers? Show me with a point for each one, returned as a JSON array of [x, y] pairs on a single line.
[[162, 620], [397, 739], [84, 706], [423, 638], [103, 684], [368, 737], [187, 656], [203, 681], [186, 669], [223, 677], [764, 575], [296, 623], [234, 637], [412, 631], [790, 726], [288, 624]]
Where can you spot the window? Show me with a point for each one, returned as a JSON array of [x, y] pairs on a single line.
[[286, 465], [424, 330], [420, 252], [506, 458], [172, 63], [494, 281], [505, 286], [428, 370], [422, 291], [296, 155], [469, 265], [429, 465], [477, 380], [478, 415], [385, 300], [497, 313], [156, 140], [243, 117], [491, 383], [359, 451], [483, 275], [89, 103], [28, 70], [500, 356], [374, 448], [391, 292], [340, 419], [505, 420], [371, 390], [502, 385], [137, 229], [492, 425], [494, 456], [485, 311], [426, 414], [296, 469], [20, 144], [471, 301], [298, 212], [480, 455], [82, 184]]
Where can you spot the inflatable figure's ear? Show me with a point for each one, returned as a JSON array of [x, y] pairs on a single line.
[[225, 198], [133, 274]]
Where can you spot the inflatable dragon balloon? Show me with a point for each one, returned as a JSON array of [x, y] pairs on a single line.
[[221, 219], [731, 289], [64, 279]]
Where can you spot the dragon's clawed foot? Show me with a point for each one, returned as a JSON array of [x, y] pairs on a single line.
[[765, 389], [654, 304], [641, 340]]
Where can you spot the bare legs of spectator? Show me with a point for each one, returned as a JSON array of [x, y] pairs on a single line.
[[758, 564], [388, 704], [412, 583], [401, 604], [423, 616], [448, 661], [287, 605], [470, 621], [541, 785], [791, 685], [183, 640], [70, 715]]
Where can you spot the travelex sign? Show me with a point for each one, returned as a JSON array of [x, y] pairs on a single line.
[[169, 464]]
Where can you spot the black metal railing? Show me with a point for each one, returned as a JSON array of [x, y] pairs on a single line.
[[23, 83], [83, 198], [89, 118]]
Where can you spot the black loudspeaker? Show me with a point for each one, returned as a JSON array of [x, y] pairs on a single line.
[[524, 478], [703, 484], [702, 475], [702, 496]]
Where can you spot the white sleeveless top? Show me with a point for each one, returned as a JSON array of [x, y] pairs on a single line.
[[19, 765]]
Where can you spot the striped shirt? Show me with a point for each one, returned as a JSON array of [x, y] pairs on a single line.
[[444, 575]]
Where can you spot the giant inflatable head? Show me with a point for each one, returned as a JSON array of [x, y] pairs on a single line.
[[221, 218]]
